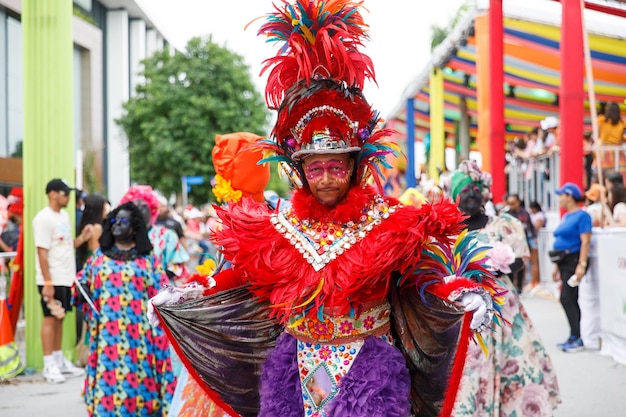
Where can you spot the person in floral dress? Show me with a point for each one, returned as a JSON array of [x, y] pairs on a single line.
[[515, 377], [129, 372]]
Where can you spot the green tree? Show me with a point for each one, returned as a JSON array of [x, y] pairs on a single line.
[[187, 99], [440, 33]]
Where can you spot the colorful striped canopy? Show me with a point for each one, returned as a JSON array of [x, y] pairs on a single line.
[[531, 74]]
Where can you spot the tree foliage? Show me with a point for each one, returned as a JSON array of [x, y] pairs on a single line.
[[187, 99], [440, 33]]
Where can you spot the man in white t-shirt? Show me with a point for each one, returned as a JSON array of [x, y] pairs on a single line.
[[56, 270]]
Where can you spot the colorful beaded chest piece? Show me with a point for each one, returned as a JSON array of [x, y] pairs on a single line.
[[320, 241]]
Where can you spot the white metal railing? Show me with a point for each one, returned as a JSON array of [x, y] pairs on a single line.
[[536, 178]]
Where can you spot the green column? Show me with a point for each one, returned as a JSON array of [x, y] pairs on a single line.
[[48, 140]]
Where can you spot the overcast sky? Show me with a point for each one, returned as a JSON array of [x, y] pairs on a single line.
[[399, 30]]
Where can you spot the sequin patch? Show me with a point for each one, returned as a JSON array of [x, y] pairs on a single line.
[[321, 368]]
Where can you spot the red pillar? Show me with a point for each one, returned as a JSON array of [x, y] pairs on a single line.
[[571, 93], [496, 99]]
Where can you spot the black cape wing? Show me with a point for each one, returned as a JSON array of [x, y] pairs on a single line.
[[223, 340], [428, 334]]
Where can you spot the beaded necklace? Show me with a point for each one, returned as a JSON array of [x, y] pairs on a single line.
[[323, 240]]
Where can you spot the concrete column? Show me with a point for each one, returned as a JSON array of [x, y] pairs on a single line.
[[496, 99], [151, 42], [118, 174], [49, 145], [436, 159], [160, 42], [137, 52], [572, 93], [410, 143]]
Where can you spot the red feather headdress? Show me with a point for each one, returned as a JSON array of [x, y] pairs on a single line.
[[315, 83]]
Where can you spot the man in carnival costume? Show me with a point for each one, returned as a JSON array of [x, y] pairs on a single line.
[[373, 301], [515, 376]]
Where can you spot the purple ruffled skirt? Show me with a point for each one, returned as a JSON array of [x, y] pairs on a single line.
[[378, 383]]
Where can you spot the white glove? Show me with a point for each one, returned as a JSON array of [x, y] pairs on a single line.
[[474, 302], [172, 295], [167, 296]]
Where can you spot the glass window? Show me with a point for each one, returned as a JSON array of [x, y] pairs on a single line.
[[84, 4], [15, 93]]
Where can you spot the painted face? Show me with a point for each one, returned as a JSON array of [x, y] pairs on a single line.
[[471, 200], [328, 176], [121, 227], [145, 211]]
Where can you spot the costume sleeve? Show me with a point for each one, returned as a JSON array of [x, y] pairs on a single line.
[[414, 227], [247, 236]]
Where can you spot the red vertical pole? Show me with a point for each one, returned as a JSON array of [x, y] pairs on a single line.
[[496, 99], [571, 93]]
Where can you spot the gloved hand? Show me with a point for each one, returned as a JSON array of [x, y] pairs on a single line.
[[167, 296], [481, 317]]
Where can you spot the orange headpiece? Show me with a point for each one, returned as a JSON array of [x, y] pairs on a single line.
[[237, 173]]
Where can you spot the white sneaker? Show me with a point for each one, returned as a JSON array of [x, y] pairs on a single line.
[[53, 375], [70, 370]]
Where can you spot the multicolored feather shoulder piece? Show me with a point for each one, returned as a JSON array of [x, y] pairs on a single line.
[[320, 39], [455, 267]]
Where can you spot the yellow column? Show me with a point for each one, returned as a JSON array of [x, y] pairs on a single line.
[[436, 160], [48, 140]]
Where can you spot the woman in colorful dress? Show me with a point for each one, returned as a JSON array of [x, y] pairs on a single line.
[[514, 377], [128, 372]]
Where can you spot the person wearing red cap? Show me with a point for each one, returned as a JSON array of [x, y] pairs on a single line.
[[314, 287]]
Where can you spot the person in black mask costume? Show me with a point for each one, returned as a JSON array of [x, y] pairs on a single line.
[[121, 277], [516, 374]]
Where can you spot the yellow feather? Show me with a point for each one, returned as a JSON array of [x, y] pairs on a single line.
[[481, 342], [315, 294], [296, 323]]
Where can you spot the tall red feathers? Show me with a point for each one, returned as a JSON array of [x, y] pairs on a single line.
[[321, 39]]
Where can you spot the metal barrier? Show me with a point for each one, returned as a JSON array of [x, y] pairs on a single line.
[[537, 178]]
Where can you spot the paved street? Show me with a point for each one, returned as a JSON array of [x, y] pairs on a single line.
[[591, 384]]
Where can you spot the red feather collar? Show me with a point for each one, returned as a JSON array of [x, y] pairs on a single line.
[[306, 206]]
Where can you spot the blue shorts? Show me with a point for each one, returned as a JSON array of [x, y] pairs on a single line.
[[532, 242]]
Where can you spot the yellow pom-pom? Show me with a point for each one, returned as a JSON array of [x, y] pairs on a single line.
[[224, 192], [207, 268]]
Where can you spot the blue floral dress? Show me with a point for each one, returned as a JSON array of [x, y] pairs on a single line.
[[129, 372]]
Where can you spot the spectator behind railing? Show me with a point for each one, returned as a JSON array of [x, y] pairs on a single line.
[[611, 132], [611, 126], [594, 204], [617, 205]]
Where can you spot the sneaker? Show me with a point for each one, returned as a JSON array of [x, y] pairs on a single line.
[[574, 346], [70, 370], [53, 375], [567, 342]]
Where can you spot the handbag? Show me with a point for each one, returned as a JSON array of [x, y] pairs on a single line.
[[557, 256]]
